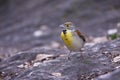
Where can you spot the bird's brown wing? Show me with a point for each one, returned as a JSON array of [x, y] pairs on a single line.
[[80, 35]]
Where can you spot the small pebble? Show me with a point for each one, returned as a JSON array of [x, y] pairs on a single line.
[[116, 59], [38, 33], [57, 74], [112, 31], [36, 64]]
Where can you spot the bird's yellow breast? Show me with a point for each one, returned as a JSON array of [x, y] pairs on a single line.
[[67, 38]]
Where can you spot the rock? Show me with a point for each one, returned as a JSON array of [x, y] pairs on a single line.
[[50, 64], [112, 34], [44, 31], [112, 31], [38, 33], [100, 39], [116, 59], [52, 45], [115, 75]]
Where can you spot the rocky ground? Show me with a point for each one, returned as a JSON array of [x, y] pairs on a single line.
[[31, 49], [100, 62]]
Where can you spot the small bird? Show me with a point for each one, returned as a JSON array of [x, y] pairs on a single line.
[[72, 38]]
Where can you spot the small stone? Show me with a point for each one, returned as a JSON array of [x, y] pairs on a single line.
[[117, 67], [43, 31], [40, 57], [38, 33], [116, 59], [118, 24], [21, 66], [52, 45], [36, 64], [112, 31], [55, 44], [25, 65], [100, 39], [112, 34], [89, 44], [57, 74], [113, 45], [62, 55]]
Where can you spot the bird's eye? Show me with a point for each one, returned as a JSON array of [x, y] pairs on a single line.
[[67, 25]]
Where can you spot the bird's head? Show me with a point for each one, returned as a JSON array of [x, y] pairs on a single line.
[[68, 26]]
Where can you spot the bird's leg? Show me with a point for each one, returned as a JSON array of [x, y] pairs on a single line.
[[81, 53], [69, 55]]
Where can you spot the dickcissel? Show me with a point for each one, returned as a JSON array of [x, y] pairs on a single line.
[[72, 38]]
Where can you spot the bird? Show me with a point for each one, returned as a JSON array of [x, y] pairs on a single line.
[[72, 37]]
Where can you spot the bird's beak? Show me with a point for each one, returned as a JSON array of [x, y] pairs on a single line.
[[61, 26]]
